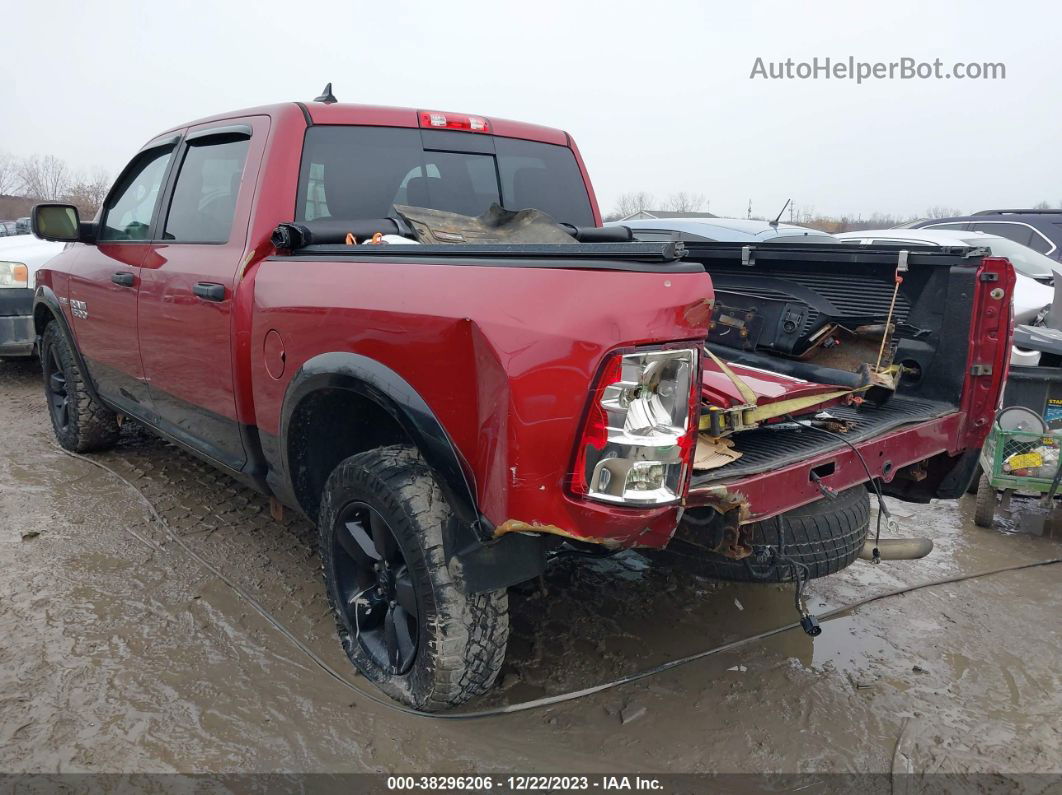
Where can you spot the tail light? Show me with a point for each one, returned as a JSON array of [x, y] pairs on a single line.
[[638, 439], [453, 121]]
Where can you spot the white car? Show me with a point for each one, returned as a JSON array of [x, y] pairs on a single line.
[[1034, 271], [1031, 263], [722, 230], [20, 257]]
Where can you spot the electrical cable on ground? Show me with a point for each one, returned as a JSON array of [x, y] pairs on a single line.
[[538, 703]]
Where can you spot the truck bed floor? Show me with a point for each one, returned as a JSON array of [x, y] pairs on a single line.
[[764, 449]]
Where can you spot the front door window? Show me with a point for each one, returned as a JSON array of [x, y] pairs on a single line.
[[131, 205]]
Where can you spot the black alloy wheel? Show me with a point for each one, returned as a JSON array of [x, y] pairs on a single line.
[[80, 421], [376, 593], [403, 613], [58, 396]]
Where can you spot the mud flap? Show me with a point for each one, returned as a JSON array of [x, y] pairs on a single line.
[[513, 558], [955, 482]]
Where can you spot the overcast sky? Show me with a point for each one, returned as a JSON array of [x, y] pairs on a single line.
[[657, 94]]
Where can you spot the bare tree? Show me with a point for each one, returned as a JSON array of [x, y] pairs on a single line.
[[630, 203], [88, 191], [44, 178], [942, 212], [1042, 206], [684, 202], [8, 174]]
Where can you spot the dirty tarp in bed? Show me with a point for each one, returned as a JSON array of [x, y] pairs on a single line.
[[496, 225]]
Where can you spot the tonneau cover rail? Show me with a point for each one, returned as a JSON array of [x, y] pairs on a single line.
[[668, 251], [859, 254]]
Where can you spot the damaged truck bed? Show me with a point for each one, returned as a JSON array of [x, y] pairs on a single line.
[[811, 328]]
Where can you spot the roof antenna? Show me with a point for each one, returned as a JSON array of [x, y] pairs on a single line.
[[326, 96], [775, 221]]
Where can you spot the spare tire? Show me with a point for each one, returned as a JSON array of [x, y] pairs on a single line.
[[825, 536]]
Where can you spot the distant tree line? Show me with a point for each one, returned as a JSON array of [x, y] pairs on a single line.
[[48, 178], [681, 202]]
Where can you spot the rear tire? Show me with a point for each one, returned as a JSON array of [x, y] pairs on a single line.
[[381, 536], [825, 536], [985, 504], [81, 423]]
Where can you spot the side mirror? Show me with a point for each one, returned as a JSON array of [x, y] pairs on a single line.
[[58, 222]]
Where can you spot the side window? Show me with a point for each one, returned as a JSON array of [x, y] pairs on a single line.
[[654, 235], [1019, 233], [964, 226], [665, 236], [131, 205], [204, 198], [1039, 243]]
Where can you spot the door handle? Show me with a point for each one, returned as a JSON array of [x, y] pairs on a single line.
[[209, 291], [123, 279]]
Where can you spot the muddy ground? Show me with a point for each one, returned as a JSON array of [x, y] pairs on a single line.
[[119, 652]]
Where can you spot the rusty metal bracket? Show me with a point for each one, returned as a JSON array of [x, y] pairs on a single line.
[[736, 543]]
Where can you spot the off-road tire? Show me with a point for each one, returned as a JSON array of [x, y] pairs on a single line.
[[462, 638], [975, 480], [985, 503], [91, 426], [825, 536]]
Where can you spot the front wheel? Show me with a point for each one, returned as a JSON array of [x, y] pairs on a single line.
[[81, 423], [402, 618]]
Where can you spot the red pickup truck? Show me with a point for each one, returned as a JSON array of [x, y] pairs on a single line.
[[452, 412]]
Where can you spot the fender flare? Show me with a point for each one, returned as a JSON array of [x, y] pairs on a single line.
[[391, 392], [46, 297], [480, 562]]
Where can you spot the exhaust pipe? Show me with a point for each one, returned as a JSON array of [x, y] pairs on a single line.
[[897, 548]]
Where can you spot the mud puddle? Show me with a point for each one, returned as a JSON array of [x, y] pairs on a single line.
[[1028, 515], [121, 653]]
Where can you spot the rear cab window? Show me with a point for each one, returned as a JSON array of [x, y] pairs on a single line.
[[360, 172]]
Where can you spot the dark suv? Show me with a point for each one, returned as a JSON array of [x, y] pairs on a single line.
[[1040, 230]]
